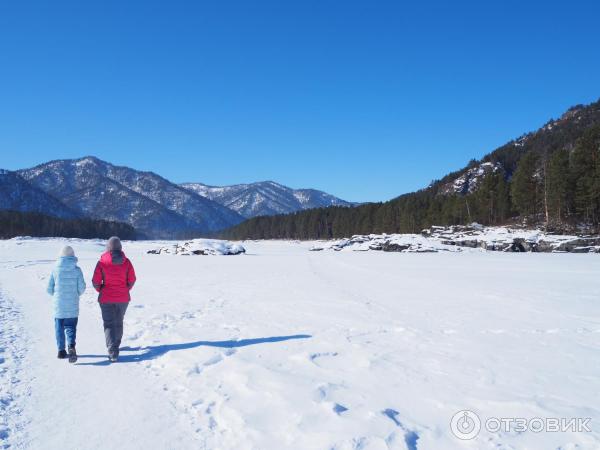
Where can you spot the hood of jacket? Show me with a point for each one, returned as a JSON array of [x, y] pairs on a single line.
[[114, 257], [67, 261]]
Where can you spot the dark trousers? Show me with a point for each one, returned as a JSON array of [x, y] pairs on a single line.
[[112, 317], [65, 326]]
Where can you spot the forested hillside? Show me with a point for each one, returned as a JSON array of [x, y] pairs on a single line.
[[550, 177], [16, 223]]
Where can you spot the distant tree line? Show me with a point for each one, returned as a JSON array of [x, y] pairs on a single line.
[[15, 223], [553, 181]]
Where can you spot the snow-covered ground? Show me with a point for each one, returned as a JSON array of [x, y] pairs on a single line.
[[286, 348]]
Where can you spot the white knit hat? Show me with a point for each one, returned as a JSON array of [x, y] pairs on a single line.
[[67, 251]]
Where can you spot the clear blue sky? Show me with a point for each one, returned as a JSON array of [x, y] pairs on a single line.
[[366, 100]]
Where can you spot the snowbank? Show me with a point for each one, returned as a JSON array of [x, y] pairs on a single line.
[[408, 243], [458, 238], [200, 247], [512, 239]]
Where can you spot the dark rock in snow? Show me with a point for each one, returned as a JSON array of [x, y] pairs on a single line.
[[570, 246], [393, 247]]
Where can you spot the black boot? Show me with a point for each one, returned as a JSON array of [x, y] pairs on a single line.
[[72, 355], [61, 354], [113, 354]]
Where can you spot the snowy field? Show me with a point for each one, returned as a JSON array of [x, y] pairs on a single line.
[[283, 348]]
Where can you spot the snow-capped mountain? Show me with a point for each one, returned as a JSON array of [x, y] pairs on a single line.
[[17, 194], [265, 198], [155, 207], [152, 204]]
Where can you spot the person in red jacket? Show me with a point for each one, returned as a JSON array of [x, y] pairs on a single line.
[[113, 278]]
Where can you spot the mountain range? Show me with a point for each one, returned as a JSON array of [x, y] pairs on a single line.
[[157, 208], [265, 198], [550, 176]]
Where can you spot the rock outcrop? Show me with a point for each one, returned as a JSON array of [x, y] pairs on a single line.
[[474, 236]]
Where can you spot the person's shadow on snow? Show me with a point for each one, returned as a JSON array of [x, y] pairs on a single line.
[[154, 351]]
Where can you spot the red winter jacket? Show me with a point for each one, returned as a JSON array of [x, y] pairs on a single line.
[[113, 278]]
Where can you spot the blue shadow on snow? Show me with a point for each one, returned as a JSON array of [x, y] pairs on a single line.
[[156, 351]]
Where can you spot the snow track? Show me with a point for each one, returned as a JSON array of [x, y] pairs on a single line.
[[14, 387], [289, 349]]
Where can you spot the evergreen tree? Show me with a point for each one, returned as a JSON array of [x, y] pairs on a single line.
[[559, 186], [16, 223], [525, 186], [586, 173]]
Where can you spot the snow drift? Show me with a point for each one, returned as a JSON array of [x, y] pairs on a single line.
[[460, 238], [200, 247]]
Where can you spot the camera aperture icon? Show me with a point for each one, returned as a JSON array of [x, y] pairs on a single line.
[[465, 425]]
